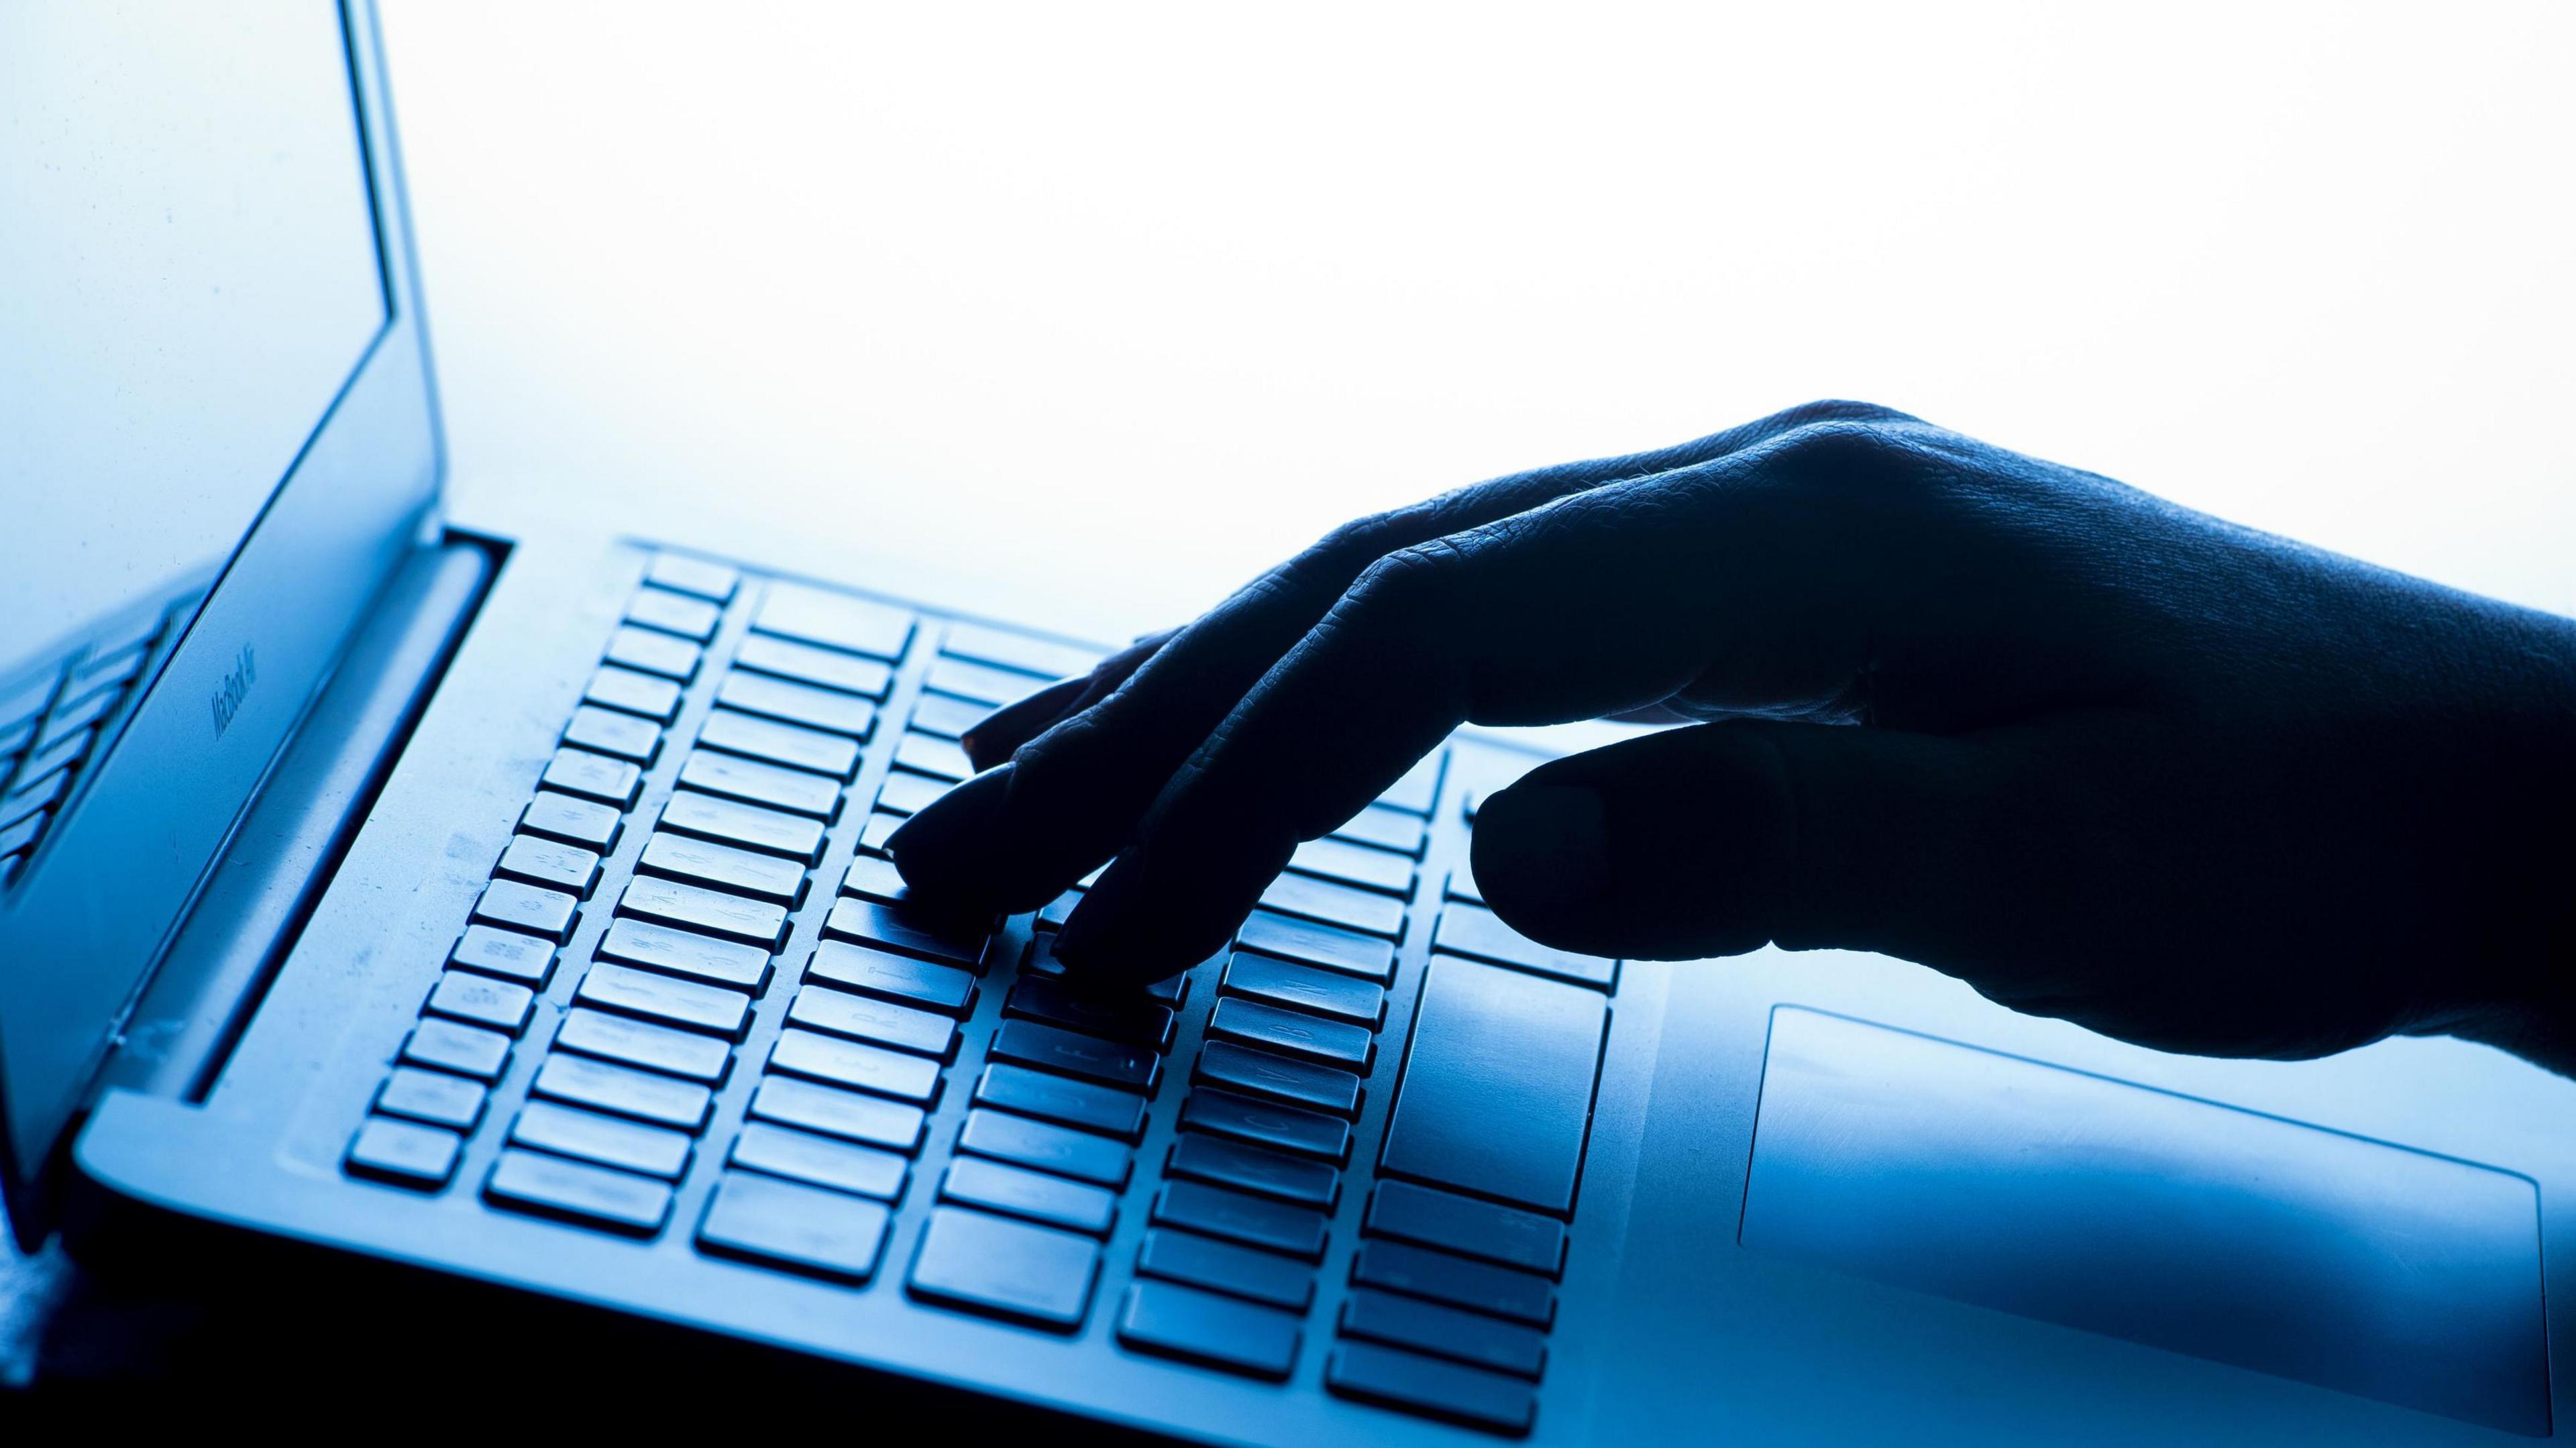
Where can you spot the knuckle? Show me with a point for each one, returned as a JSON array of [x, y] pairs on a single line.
[[1351, 546], [1837, 409], [1406, 582], [1849, 456]]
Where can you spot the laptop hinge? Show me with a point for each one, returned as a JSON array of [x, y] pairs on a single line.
[[271, 873]]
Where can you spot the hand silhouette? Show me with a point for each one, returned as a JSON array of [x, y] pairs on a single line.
[[2099, 756]]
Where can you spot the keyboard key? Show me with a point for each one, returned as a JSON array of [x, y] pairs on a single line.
[[882, 1022], [1498, 1084], [946, 715], [1335, 905], [674, 613], [857, 1065], [1474, 930], [652, 696], [653, 652], [587, 823], [1499, 1291], [1169, 991], [743, 824], [532, 1181], [805, 663], [983, 683], [628, 1145], [484, 1002], [1219, 1162], [1224, 1267], [1078, 1154], [606, 731], [1159, 1317], [797, 791], [1277, 1078], [568, 868], [1464, 1225], [985, 1263], [782, 1224], [693, 575], [1024, 652], [527, 909], [404, 1152], [637, 1043], [929, 754], [834, 1112], [106, 667], [1503, 1347], [24, 700], [1034, 1195], [723, 867], [1417, 791], [1133, 1020], [821, 1161], [1069, 1053], [661, 998], [681, 952], [80, 709], [1418, 1384], [879, 828], [644, 1095], [1254, 1221], [594, 776], [30, 799], [905, 793], [906, 933], [793, 745], [786, 700], [1293, 1033], [711, 911], [1359, 865], [1055, 912], [465, 1050], [872, 878], [432, 1096], [1103, 1109], [1323, 992], [1387, 829], [507, 954], [1313, 944], [837, 620], [941, 988], [1283, 1128]]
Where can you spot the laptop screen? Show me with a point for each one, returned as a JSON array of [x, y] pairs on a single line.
[[189, 275]]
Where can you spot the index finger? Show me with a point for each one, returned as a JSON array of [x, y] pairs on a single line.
[[1016, 836], [1517, 622]]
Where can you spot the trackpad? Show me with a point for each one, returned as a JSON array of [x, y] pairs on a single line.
[[2245, 1239]]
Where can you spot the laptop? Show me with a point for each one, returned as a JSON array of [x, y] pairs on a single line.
[[507, 903]]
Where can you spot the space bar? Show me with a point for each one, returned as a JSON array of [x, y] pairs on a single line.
[[1498, 1085]]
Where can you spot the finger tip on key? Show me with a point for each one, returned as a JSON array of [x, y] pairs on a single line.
[[1101, 941], [946, 849]]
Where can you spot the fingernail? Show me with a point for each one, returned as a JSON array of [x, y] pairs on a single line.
[[1543, 850]]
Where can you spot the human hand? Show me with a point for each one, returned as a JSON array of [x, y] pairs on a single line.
[[2099, 756]]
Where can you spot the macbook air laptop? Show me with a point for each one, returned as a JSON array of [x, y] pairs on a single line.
[[508, 903]]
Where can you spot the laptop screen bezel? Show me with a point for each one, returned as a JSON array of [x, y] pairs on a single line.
[[93, 911]]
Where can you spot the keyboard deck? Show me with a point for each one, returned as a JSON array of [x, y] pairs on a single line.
[[694, 964]]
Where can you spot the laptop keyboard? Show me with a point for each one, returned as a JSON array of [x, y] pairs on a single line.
[[649, 996]]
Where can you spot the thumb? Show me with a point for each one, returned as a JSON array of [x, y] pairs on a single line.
[[1717, 839]]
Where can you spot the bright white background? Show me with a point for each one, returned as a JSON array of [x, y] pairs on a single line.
[[1131, 301]]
